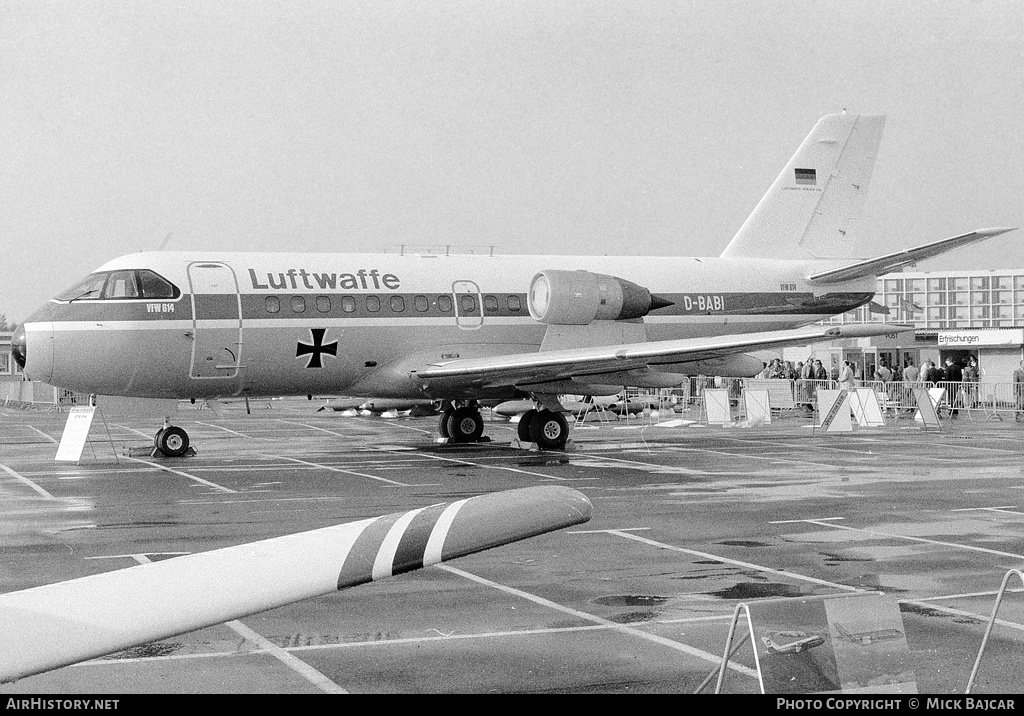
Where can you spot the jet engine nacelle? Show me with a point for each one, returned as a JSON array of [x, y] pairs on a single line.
[[576, 298]]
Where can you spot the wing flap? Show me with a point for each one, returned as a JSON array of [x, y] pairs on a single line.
[[548, 366], [898, 259]]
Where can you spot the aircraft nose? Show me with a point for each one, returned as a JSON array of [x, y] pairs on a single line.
[[32, 346], [19, 347]]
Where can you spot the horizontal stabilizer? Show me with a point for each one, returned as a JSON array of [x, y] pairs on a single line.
[[59, 624], [891, 262]]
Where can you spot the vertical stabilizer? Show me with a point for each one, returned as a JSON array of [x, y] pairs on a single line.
[[810, 210]]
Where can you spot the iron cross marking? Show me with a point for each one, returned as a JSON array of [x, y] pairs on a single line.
[[314, 351]]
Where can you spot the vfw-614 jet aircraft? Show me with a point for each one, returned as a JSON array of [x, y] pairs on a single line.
[[465, 328]]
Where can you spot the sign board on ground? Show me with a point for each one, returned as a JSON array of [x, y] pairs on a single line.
[[716, 405], [76, 432]]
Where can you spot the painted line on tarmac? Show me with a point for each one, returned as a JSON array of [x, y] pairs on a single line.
[[961, 613], [726, 560], [200, 480], [342, 470], [45, 435], [754, 457], [293, 662], [622, 628], [497, 467], [25, 480], [661, 468], [133, 430], [233, 432], [1004, 510], [924, 540], [397, 425]]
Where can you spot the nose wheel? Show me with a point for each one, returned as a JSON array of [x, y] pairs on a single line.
[[172, 441]]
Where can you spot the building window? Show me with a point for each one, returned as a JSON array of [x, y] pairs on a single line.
[[978, 297], [893, 285], [957, 298], [5, 363], [936, 284], [298, 304], [323, 304], [273, 304]]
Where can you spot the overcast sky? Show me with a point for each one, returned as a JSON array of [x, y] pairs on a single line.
[[615, 127]]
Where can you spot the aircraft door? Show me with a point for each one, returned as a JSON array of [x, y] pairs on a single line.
[[469, 309], [216, 320]]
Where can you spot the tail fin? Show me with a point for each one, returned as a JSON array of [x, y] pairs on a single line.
[[809, 211]]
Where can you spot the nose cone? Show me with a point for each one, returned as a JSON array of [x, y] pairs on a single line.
[[32, 346], [19, 347]]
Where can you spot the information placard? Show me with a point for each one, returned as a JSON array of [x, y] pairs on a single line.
[[76, 432], [716, 405]]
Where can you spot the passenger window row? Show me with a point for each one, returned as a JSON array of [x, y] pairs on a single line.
[[397, 304]]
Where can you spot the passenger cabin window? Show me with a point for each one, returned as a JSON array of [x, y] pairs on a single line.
[[348, 304], [491, 303], [421, 303], [298, 304], [121, 284], [323, 304], [273, 304], [468, 302], [444, 304], [513, 303], [372, 304], [397, 304]]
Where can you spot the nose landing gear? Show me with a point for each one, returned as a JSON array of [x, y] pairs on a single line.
[[172, 441]]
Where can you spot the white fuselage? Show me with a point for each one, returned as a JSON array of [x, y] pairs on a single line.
[[355, 324]]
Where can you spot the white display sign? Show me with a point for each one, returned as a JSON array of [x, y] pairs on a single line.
[[716, 405], [982, 337], [76, 432]]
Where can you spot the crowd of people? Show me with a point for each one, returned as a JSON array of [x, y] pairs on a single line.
[[809, 373]]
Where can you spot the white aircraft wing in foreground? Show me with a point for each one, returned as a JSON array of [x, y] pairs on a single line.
[[59, 624]]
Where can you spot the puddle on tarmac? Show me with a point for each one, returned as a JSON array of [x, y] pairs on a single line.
[[758, 590], [630, 600], [633, 617], [742, 543]]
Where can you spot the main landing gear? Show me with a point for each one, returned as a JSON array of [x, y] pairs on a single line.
[[547, 428], [462, 424], [171, 441]]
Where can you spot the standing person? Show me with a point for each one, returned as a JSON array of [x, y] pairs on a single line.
[[1018, 390], [846, 377], [953, 375], [910, 372], [933, 374], [805, 387], [882, 372], [971, 375]]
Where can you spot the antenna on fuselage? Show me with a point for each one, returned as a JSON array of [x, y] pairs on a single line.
[[166, 239]]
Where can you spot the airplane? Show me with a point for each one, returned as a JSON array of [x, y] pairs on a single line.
[[55, 625], [791, 642], [466, 328], [865, 638]]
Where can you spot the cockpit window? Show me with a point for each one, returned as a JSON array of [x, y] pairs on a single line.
[[121, 284], [155, 286], [88, 288]]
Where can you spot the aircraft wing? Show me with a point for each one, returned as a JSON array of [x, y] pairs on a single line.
[[898, 259], [55, 625], [590, 363]]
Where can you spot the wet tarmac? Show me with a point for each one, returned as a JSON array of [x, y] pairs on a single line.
[[689, 522]]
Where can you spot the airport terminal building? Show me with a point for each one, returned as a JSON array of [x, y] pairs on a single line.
[[955, 313]]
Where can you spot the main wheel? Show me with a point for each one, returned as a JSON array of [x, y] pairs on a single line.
[[465, 425], [549, 430], [442, 422], [523, 428], [156, 438], [172, 441]]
